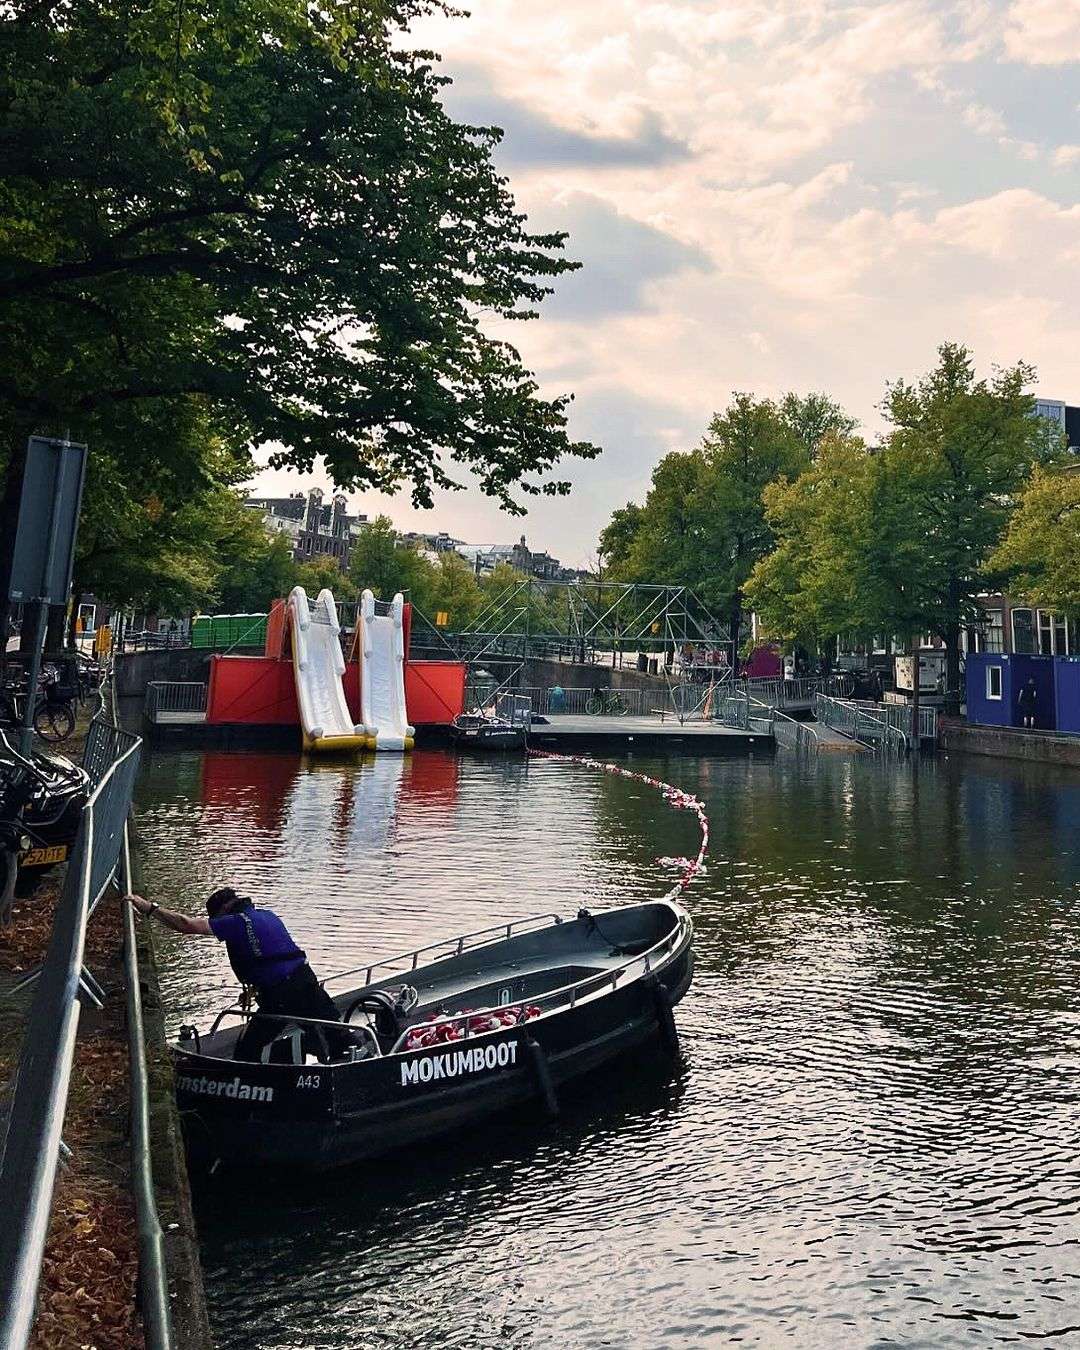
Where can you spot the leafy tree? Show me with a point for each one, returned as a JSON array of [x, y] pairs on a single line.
[[254, 577], [324, 574], [381, 563], [455, 590], [703, 523], [970, 444], [746, 448], [264, 204], [811, 585], [814, 418], [1040, 552], [618, 537]]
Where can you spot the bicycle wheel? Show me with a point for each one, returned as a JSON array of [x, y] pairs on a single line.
[[54, 721], [617, 708], [594, 706]]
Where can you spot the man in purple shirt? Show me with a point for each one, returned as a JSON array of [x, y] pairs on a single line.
[[263, 956]]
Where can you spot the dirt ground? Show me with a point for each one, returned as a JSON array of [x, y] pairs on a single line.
[[87, 1295]]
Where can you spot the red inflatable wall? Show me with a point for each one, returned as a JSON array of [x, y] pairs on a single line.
[[260, 690], [252, 689], [434, 692]]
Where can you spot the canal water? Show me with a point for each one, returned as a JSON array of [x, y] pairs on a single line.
[[872, 1142]]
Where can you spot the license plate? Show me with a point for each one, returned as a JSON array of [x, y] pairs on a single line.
[[44, 857]]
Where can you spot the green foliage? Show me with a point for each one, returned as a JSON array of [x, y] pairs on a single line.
[[815, 419], [811, 583], [263, 205], [324, 574], [381, 563], [257, 575], [1040, 552], [970, 444], [703, 522], [456, 591]]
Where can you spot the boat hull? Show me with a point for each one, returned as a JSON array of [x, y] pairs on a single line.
[[318, 1117]]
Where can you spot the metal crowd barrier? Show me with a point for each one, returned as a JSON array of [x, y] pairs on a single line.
[[32, 1141], [866, 727], [165, 698]]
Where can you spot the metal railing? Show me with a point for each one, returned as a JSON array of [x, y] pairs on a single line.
[[404, 962], [153, 1282], [166, 698], [862, 725], [788, 733], [898, 715], [32, 1141]]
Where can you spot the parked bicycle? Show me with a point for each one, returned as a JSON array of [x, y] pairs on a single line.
[[54, 709], [605, 702]]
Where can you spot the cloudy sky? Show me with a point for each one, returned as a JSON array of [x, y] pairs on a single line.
[[770, 195]]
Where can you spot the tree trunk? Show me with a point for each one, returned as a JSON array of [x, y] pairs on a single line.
[[736, 627], [952, 670]]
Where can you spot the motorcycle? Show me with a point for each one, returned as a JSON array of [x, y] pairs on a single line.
[[41, 801]]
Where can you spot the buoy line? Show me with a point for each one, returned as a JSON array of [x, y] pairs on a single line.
[[675, 797]]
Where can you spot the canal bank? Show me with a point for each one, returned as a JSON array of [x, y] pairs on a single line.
[[88, 1293], [1036, 747]]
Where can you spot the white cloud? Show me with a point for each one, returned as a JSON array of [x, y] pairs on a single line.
[[1043, 32], [846, 203], [983, 120]]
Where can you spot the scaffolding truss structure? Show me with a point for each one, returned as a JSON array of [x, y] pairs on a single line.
[[590, 621]]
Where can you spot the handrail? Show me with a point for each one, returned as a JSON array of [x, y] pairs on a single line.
[[32, 1141], [806, 738], [572, 991], [504, 929], [153, 1281], [609, 976], [875, 732]]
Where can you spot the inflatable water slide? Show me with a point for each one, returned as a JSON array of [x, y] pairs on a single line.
[[380, 645], [318, 666]]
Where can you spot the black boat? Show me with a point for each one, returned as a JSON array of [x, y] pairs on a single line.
[[474, 731], [444, 1037]]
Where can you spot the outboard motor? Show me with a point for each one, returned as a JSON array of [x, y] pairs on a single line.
[[385, 1011]]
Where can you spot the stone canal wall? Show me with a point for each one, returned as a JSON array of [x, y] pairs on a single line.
[[172, 1192], [1044, 747]]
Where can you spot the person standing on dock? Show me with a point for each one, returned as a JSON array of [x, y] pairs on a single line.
[[264, 957], [1026, 702]]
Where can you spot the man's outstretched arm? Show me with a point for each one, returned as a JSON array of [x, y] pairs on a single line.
[[171, 918]]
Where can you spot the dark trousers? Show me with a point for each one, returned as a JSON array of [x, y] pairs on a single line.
[[300, 995]]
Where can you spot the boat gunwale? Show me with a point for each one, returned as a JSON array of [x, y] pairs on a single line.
[[567, 994]]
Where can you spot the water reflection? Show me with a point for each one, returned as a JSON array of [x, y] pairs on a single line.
[[871, 1143]]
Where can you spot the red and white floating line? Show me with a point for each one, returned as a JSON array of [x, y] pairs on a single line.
[[689, 868]]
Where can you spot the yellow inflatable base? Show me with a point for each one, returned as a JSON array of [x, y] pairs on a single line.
[[332, 745]]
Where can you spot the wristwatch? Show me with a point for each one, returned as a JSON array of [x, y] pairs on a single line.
[[153, 905]]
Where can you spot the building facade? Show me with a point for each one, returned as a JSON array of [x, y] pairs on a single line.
[[315, 529]]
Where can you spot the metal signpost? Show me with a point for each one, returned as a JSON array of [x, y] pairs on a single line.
[[44, 550]]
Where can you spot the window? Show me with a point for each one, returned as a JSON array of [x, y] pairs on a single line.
[[994, 633], [993, 682], [1023, 632], [1061, 636], [1046, 633]]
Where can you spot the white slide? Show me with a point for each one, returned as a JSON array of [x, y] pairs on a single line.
[[382, 674], [318, 666]]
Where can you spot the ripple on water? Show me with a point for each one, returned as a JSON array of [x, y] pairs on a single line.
[[871, 1143]]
